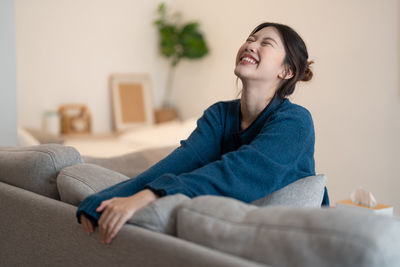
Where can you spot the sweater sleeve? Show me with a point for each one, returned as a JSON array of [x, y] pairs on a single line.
[[190, 155], [281, 153]]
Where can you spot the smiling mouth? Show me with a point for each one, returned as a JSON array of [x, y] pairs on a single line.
[[248, 60]]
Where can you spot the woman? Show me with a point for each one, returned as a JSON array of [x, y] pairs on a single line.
[[244, 149]]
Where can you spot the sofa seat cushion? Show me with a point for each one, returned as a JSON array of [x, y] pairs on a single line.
[[288, 236], [35, 168]]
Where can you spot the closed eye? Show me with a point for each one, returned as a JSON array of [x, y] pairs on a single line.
[[269, 40]]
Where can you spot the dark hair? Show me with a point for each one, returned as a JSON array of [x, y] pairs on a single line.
[[296, 57]]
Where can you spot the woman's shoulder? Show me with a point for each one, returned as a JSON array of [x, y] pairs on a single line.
[[293, 112], [289, 107]]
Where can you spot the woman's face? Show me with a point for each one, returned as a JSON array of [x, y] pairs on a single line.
[[261, 57]]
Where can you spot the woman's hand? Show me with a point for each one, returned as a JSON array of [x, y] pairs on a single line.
[[117, 210], [87, 224]]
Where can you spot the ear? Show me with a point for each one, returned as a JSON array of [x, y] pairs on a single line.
[[286, 73]]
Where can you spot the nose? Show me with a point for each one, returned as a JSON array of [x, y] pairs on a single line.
[[251, 47]]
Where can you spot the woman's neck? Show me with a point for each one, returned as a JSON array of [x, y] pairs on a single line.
[[253, 101]]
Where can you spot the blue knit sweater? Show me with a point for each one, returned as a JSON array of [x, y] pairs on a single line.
[[219, 158]]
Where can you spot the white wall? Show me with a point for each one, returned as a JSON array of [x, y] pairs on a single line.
[[67, 49], [8, 108]]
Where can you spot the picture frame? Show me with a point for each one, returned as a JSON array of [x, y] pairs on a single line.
[[132, 104]]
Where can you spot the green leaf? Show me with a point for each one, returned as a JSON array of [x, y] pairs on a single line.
[[179, 41], [190, 27]]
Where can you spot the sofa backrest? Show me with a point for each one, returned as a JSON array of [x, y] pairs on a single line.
[[36, 168], [306, 192]]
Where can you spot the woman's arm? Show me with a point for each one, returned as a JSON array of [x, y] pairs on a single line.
[[281, 153], [192, 154]]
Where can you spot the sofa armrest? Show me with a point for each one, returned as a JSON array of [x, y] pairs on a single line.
[[290, 236], [35, 168], [77, 182]]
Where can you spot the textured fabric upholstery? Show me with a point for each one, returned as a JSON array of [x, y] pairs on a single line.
[[288, 236], [39, 231], [77, 182], [36, 168], [160, 216], [306, 192]]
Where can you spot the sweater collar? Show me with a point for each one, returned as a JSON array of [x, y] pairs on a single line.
[[259, 122]]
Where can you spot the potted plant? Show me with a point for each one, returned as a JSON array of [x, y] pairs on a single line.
[[177, 41]]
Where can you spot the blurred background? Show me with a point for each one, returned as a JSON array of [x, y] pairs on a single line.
[[66, 50]]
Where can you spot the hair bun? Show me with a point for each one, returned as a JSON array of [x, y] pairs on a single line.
[[308, 74]]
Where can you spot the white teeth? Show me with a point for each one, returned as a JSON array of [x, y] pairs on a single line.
[[250, 60]]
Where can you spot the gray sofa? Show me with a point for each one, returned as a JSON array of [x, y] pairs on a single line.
[[41, 186]]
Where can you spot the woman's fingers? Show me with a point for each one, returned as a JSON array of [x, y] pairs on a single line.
[[86, 224], [107, 223], [110, 226], [118, 225], [83, 222], [89, 225], [103, 205], [104, 218]]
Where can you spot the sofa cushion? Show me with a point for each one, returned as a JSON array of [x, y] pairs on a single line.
[[305, 192], [77, 182], [35, 168], [160, 215], [289, 236]]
